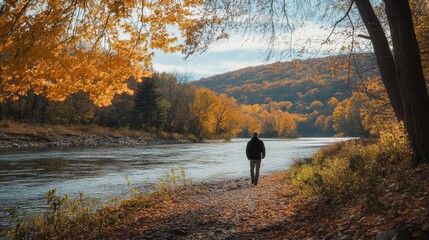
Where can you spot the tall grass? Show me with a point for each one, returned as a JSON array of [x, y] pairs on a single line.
[[354, 167], [77, 217]]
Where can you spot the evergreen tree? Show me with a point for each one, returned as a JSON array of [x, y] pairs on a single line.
[[147, 112]]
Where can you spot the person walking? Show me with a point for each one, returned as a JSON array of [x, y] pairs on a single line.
[[255, 152]]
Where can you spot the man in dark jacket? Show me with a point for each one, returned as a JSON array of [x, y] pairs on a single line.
[[255, 151]]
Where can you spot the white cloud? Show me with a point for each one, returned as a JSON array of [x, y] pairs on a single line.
[[237, 42], [316, 37], [239, 52], [310, 35], [209, 63]]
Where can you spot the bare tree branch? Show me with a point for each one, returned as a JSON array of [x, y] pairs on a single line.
[[339, 21], [102, 31]]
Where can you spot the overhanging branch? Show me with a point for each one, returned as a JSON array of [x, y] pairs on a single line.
[[340, 20]]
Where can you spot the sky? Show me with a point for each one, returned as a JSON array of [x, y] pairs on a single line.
[[239, 52], [215, 60]]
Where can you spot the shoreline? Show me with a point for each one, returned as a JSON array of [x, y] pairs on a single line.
[[19, 141]]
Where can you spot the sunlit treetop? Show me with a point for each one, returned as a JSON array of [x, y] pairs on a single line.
[[59, 47]]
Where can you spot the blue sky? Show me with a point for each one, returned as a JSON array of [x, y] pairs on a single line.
[[238, 52]]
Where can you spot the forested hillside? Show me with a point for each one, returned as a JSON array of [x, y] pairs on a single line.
[[310, 88], [316, 97]]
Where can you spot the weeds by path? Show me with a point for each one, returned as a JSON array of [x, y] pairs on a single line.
[[272, 210]]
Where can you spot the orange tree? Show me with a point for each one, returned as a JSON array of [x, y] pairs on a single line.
[[59, 47]]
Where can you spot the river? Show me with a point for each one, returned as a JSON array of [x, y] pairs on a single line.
[[27, 174]]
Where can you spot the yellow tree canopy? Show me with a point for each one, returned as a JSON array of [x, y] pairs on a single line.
[[59, 47], [202, 110], [228, 116]]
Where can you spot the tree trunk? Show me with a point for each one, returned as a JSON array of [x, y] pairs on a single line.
[[45, 103], [35, 108], [384, 57], [410, 76]]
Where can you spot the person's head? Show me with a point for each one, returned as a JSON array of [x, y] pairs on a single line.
[[255, 134]]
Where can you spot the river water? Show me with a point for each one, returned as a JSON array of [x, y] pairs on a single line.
[[26, 175]]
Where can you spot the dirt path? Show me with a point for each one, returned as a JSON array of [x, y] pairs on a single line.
[[222, 210], [235, 209]]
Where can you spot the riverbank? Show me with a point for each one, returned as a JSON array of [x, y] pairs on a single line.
[[98, 172], [234, 209], [8, 141], [22, 135], [359, 189]]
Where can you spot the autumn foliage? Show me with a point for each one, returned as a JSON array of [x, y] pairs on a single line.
[[56, 48]]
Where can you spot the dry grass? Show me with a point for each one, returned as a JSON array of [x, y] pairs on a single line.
[[354, 167], [72, 218]]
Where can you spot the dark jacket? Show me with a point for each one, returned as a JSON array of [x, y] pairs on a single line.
[[255, 149]]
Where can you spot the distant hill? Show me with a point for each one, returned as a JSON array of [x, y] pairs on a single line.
[[295, 81], [308, 85]]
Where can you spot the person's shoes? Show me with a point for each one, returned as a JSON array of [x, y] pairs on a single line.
[[255, 183]]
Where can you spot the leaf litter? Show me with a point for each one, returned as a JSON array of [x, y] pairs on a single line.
[[234, 209]]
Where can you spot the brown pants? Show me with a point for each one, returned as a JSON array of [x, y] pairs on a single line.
[[254, 175]]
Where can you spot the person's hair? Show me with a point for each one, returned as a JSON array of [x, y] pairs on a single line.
[[255, 134]]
